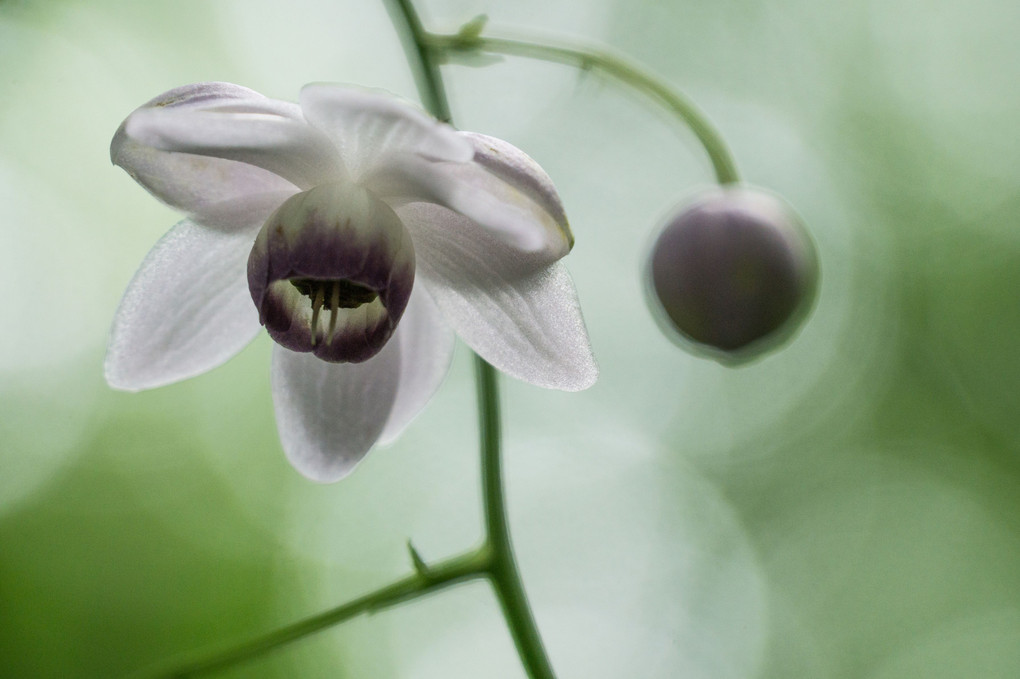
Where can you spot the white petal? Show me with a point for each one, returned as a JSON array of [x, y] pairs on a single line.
[[186, 311], [330, 414], [515, 311], [202, 95], [370, 126], [520, 171], [502, 189], [426, 346], [197, 184], [258, 132]]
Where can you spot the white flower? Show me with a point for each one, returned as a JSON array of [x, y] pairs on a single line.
[[363, 230]]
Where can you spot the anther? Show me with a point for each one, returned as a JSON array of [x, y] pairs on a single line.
[[334, 303], [316, 307]]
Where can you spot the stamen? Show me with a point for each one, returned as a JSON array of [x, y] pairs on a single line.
[[334, 302], [316, 306]]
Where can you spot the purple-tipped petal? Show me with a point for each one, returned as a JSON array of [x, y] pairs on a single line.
[[518, 170], [286, 147], [200, 143], [501, 189], [202, 186]]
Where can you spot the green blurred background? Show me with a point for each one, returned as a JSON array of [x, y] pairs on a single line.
[[846, 507]]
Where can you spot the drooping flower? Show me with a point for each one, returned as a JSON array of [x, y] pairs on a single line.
[[734, 273], [362, 234]]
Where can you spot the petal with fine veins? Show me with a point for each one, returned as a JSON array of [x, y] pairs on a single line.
[[426, 348], [517, 312], [370, 127], [186, 311], [197, 185], [502, 189], [268, 140], [194, 184], [520, 171], [330, 414]]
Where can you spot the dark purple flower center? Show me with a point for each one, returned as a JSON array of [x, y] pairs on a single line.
[[331, 273]]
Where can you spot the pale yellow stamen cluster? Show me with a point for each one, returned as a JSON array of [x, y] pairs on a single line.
[[343, 294]]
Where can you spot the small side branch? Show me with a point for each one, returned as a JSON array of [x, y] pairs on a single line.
[[472, 565]]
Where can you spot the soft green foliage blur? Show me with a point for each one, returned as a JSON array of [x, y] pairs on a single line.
[[846, 507]]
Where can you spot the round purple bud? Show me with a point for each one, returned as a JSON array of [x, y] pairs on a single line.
[[734, 273]]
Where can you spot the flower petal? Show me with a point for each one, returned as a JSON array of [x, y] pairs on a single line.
[[197, 184], [502, 189], [260, 132], [330, 414], [186, 311], [518, 170], [513, 309], [371, 126], [426, 347]]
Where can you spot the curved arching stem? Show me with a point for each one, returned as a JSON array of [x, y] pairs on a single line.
[[616, 66]]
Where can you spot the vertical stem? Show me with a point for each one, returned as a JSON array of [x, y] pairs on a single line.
[[506, 578], [427, 75], [503, 573], [491, 436]]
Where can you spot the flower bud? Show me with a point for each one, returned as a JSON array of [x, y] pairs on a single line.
[[735, 273]]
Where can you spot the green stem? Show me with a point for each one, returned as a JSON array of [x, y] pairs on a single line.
[[471, 565], [427, 75], [503, 574], [615, 66], [506, 579]]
